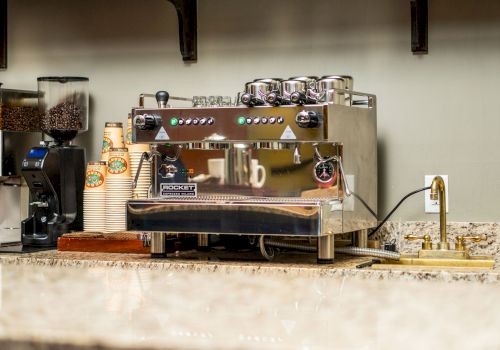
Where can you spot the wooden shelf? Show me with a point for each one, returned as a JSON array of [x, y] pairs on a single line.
[[187, 16]]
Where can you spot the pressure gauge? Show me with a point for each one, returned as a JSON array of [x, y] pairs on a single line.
[[324, 173]]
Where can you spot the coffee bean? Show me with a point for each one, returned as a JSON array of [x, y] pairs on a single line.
[[63, 116], [19, 118]]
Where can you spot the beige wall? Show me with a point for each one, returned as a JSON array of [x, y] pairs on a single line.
[[437, 113]]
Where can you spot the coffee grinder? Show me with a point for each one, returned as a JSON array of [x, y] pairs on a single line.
[[55, 170]]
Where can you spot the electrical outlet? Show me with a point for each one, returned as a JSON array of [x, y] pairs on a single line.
[[432, 206]]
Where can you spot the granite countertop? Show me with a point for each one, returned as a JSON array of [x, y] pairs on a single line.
[[108, 308], [289, 264]]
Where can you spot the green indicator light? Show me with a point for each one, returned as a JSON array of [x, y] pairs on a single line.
[[174, 121], [241, 120]]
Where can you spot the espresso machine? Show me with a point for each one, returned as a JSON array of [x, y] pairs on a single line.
[[55, 170], [294, 158]]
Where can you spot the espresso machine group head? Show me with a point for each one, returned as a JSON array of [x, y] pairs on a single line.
[[55, 171]]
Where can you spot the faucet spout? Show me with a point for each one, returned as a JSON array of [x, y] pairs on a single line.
[[438, 191]]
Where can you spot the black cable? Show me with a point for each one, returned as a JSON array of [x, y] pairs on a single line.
[[396, 207], [365, 204]]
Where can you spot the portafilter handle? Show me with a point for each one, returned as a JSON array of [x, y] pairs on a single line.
[[250, 100], [275, 99], [301, 98]]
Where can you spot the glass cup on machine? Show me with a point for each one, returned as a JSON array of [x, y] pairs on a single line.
[[348, 81], [226, 101], [199, 101], [327, 88], [288, 87], [275, 83], [309, 80], [214, 101], [255, 93]]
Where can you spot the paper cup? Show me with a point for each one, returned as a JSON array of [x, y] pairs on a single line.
[[139, 148], [118, 163], [113, 138], [95, 176]]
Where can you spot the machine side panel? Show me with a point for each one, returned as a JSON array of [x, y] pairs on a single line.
[[356, 129]]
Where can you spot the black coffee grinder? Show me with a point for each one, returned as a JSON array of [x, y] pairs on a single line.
[[55, 171]]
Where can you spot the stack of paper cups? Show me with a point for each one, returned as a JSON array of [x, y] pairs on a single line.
[[118, 189], [113, 138], [141, 189], [94, 197], [128, 137]]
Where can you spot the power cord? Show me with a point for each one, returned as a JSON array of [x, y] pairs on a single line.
[[396, 207]]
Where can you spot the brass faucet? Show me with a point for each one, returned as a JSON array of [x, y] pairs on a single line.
[[443, 255], [438, 191], [443, 251]]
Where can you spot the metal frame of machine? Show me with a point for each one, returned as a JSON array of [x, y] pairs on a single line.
[[311, 137]]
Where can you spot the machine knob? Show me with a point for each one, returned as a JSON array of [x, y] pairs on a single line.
[[162, 99], [147, 121], [167, 171], [308, 119]]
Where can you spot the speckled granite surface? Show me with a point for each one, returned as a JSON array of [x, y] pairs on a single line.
[[80, 301], [53, 307], [290, 264], [394, 231]]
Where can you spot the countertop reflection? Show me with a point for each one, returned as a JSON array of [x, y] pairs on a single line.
[[141, 308]]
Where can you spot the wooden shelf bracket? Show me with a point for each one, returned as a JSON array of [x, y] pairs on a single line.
[[3, 34], [188, 28], [419, 26]]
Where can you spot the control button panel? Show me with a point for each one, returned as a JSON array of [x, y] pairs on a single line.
[[235, 123], [256, 120], [206, 121], [175, 121]]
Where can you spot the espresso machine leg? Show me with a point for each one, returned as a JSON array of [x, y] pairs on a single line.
[[360, 238], [326, 249], [203, 242], [158, 247]]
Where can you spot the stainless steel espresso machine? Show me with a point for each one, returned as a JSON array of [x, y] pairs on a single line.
[[294, 158]]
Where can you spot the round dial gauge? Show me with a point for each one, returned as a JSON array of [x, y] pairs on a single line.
[[324, 173]]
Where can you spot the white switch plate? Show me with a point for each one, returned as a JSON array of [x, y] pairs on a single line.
[[432, 206]]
